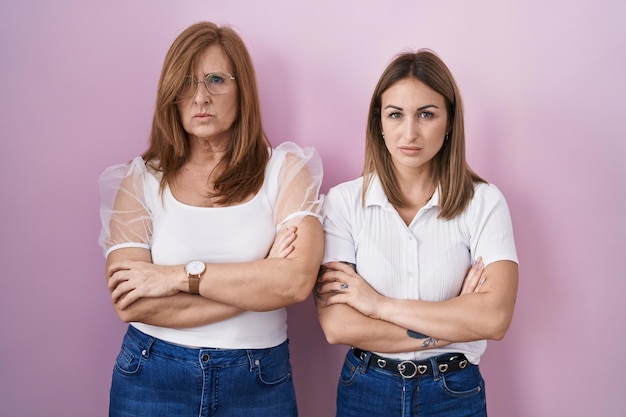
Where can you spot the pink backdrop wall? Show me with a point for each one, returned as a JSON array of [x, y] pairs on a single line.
[[543, 84]]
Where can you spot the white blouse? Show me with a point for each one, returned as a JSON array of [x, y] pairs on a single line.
[[176, 233]]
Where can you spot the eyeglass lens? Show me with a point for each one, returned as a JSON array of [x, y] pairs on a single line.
[[216, 83]]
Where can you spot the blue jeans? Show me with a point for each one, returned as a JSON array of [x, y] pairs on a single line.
[[374, 392], [156, 378]]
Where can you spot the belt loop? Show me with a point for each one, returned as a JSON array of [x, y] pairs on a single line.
[[251, 359], [141, 339], [147, 348], [435, 366], [364, 357]]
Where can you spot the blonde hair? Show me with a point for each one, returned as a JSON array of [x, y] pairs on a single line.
[[451, 172], [245, 161]]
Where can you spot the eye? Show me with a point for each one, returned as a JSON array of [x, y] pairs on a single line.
[[394, 115], [215, 79], [426, 115]]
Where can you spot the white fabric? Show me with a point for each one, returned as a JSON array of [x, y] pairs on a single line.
[[426, 260], [176, 233]]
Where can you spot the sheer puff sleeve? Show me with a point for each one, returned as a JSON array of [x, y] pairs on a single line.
[[126, 218], [299, 182]]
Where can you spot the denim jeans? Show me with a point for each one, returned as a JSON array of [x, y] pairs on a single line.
[[156, 378], [374, 392]]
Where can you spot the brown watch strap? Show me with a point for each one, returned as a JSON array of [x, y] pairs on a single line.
[[194, 284]]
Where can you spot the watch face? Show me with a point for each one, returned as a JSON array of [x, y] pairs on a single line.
[[195, 267]]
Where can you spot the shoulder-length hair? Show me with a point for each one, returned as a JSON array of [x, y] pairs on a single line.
[[451, 173], [244, 164]]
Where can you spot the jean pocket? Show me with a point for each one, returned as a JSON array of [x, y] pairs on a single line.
[[274, 367], [463, 383], [129, 360], [348, 373]]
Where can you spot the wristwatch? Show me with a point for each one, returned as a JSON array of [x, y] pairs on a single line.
[[194, 270]]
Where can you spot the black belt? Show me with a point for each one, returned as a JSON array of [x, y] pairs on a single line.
[[409, 369]]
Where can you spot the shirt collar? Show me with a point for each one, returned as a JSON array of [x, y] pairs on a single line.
[[375, 195]]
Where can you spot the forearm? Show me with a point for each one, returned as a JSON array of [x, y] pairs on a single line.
[[178, 311], [344, 325], [481, 315], [260, 285], [462, 319], [269, 283]]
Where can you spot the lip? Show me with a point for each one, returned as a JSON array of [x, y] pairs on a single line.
[[203, 116], [410, 150]]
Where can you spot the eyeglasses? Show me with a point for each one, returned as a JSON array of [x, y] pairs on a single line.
[[216, 83]]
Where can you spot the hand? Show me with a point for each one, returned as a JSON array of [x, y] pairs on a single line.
[[339, 283], [132, 280], [474, 280], [283, 243]]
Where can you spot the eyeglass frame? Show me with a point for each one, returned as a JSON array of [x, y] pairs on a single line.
[[224, 75]]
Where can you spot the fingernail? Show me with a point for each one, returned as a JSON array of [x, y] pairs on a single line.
[[482, 281]]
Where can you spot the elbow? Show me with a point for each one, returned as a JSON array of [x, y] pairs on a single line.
[[301, 293], [500, 332], [334, 333], [124, 316], [127, 315], [497, 328], [333, 338], [496, 335], [300, 287], [294, 295]]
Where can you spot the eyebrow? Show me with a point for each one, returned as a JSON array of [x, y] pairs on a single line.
[[418, 109], [216, 72]]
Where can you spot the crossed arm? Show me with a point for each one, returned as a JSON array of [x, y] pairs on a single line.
[[156, 294], [360, 316], [175, 311], [132, 279]]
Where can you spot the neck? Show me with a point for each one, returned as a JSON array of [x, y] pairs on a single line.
[[416, 185], [209, 148]]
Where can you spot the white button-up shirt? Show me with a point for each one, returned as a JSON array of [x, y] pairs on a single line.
[[426, 260]]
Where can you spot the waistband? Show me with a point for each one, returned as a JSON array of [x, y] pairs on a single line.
[[216, 356], [449, 362]]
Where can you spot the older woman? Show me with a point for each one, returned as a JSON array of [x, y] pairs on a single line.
[[412, 227], [208, 236]]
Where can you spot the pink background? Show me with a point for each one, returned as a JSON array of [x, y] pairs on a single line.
[[543, 84]]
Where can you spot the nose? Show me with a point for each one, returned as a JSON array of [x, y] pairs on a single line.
[[202, 94], [411, 129]]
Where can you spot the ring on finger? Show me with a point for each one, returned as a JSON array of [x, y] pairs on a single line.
[[343, 286]]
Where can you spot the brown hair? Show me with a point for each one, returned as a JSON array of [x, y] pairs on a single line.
[[169, 149], [451, 172]]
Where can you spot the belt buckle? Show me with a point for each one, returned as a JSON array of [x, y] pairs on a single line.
[[402, 367]]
